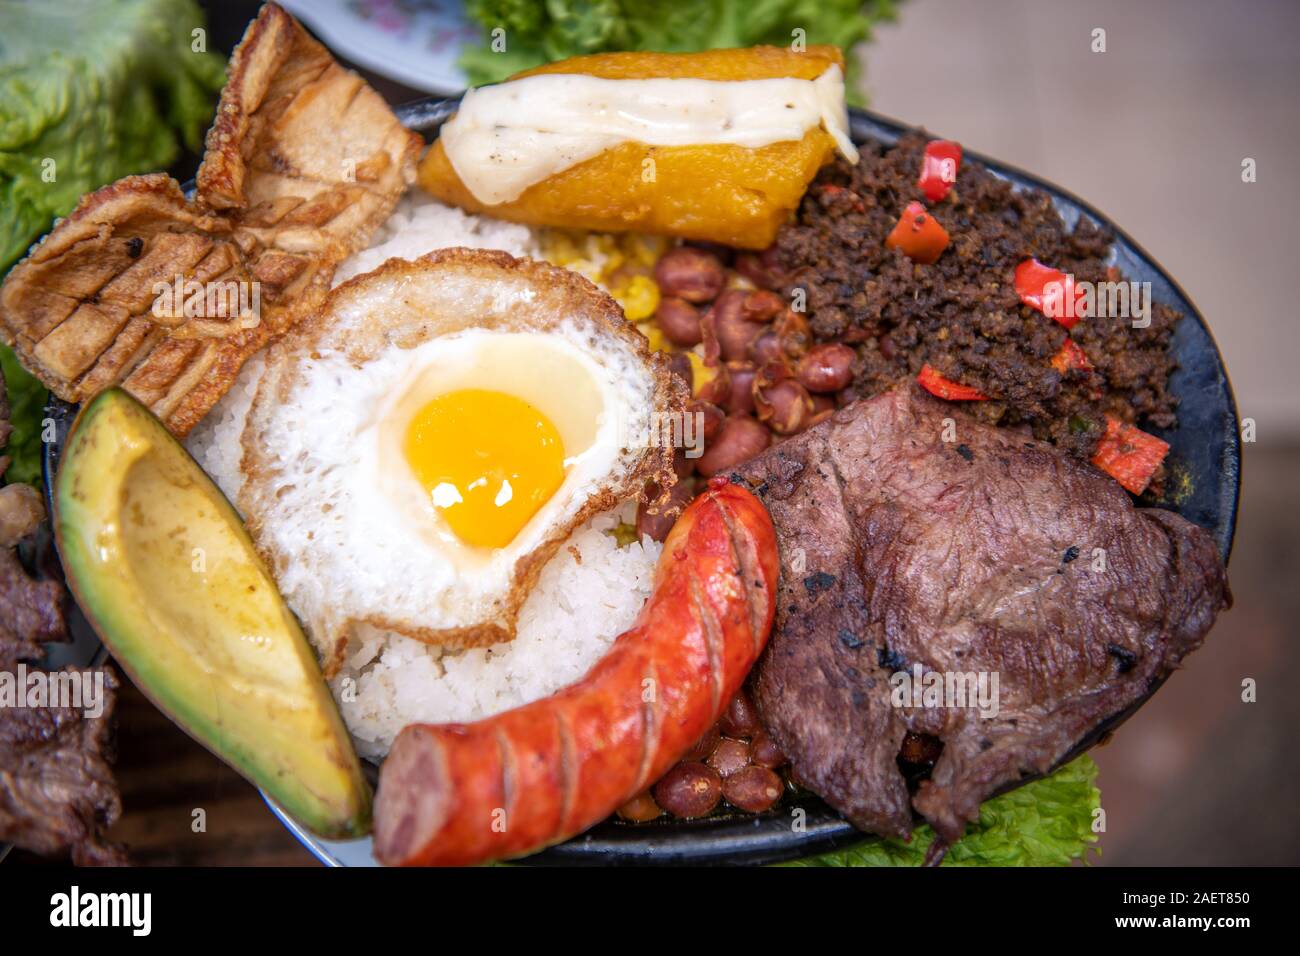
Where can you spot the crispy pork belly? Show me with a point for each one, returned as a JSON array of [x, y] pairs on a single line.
[[303, 162], [309, 155]]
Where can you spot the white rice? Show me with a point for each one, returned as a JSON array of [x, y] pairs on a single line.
[[581, 602], [420, 224]]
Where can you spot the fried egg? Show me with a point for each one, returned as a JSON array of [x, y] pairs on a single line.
[[422, 445]]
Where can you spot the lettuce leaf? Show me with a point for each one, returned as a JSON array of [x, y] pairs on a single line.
[[540, 32], [1045, 823], [26, 407], [91, 91]]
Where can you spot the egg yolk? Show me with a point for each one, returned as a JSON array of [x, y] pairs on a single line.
[[488, 461]]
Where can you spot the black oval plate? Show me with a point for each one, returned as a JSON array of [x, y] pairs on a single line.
[[1204, 449]]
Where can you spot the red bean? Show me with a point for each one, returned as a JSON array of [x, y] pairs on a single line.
[[761, 306], [740, 719], [704, 746], [733, 330], [742, 387], [679, 321], [640, 809], [766, 348], [920, 748], [823, 408], [729, 756], [784, 407], [740, 439], [752, 268], [753, 789], [657, 518], [689, 790], [827, 367], [712, 419], [717, 389], [764, 751], [792, 328], [691, 274]]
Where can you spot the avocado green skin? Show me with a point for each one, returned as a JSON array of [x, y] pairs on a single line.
[[287, 739]]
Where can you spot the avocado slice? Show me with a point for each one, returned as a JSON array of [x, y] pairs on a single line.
[[162, 566]]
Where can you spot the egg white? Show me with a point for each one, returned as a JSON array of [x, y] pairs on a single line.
[[330, 498]]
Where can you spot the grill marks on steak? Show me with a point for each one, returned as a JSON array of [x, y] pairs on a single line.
[[969, 556]]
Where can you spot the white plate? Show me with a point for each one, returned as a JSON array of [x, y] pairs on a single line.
[[415, 42], [330, 852]]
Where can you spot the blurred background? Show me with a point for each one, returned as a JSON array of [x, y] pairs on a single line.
[[1153, 131]]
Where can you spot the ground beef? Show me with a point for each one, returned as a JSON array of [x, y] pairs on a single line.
[[962, 315]]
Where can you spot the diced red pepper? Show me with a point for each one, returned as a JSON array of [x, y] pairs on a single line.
[[939, 168], [1050, 291], [936, 384], [1071, 357], [919, 235], [1129, 455]]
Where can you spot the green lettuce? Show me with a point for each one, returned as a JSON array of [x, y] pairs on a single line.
[[91, 91], [1045, 823], [26, 406], [540, 32]]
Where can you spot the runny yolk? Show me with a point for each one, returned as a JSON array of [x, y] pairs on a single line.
[[488, 460]]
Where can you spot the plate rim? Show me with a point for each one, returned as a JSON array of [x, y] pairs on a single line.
[[745, 839]]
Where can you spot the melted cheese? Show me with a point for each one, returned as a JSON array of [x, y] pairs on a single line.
[[510, 136]]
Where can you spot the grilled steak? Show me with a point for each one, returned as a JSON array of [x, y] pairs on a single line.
[[57, 792], [56, 787], [987, 553]]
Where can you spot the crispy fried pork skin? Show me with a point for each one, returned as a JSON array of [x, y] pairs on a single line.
[[303, 162], [310, 156], [990, 553]]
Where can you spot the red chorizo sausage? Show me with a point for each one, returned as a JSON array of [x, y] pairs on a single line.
[[460, 794]]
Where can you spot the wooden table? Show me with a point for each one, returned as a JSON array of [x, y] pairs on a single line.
[[165, 777]]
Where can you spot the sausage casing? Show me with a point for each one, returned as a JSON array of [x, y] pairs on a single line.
[[461, 794]]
